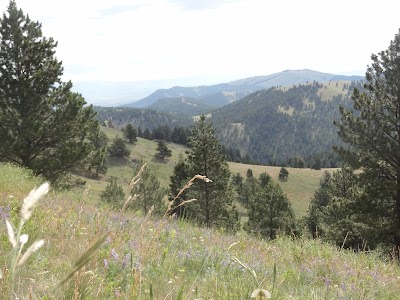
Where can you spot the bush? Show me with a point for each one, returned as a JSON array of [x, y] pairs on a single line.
[[283, 174]]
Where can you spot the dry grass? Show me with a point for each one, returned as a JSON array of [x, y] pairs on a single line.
[[299, 187], [147, 258]]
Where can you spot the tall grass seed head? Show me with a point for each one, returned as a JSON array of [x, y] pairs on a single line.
[[260, 294], [11, 235], [33, 248], [31, 200]]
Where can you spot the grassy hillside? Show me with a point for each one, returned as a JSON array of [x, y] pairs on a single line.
[[299, 187], [168, 259]]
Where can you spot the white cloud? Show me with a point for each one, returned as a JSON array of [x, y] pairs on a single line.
[[160, 39]]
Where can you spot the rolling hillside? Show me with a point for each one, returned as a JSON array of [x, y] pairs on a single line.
[[299, 188], [274, 126]]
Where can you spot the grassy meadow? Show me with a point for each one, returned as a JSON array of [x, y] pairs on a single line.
[[146, 258], [299, 187]]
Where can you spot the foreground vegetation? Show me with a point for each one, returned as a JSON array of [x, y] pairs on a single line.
[[144, 258]]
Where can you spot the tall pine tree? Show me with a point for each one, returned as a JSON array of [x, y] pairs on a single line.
[[372, 131], [214, 199], [44, 126]]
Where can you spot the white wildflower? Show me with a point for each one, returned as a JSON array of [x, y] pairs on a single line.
[[31, 200], [34, 247], [11, 235], [260, 294], [23, 239]]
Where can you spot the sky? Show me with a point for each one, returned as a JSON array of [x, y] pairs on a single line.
[[210, 41]]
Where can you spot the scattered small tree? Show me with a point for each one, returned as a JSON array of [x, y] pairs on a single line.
[[178, 180], [264, 179], [118, 148], [130, 133], [269, 212], [283, 174], [147, 134], [149, 193], [249, 173], [98, 161], [163, 150], [320, 200], [98, 158], [113, 194]]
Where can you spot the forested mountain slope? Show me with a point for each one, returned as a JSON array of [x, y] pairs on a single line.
[[145, 118], [275, 125], [182, 105]]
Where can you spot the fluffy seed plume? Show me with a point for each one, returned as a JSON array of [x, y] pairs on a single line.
[[11, 235], [23, 239], [31, 200], [33, 248], [260, 294]]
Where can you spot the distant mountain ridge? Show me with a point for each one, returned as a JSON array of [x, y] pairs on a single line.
[[182, 105], [224, 93]]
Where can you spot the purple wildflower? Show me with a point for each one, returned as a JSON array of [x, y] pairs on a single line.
[[126, 260], [114, 254], [4, 212]]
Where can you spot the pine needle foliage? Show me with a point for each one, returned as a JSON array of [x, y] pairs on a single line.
[[214, 199], [371, 130], [44, 125]]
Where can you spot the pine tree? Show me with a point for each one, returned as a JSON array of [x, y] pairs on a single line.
[[372, 132], [44, 126], [150, 193], [118, 148], [337, 213], [269, 211], [163, 150], [249, 189], [283, 173], [147, 134], [98, 161], [130, 133], [179, 178], [214, 199], [139, 132], [113, 194], [98, 157], [320, 200]]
